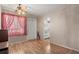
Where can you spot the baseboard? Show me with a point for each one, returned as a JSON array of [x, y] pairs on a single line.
[[20, 41], [47, 38], [65, 46]]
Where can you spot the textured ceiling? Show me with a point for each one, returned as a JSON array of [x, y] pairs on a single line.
[[36, 9]]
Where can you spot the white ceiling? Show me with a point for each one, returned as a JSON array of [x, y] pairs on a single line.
[[36, 9]]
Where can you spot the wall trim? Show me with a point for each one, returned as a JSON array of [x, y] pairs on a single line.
[[20, 41], [65, 46]]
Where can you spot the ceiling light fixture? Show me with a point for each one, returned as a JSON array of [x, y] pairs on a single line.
[[21, 9]]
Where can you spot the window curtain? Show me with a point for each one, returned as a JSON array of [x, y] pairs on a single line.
[[16, 25]]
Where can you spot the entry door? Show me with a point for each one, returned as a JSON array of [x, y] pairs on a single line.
[[31, 28], [46, 28]]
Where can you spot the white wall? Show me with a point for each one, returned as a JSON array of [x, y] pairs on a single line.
[[73, 25], [40, 26], [64, 26]]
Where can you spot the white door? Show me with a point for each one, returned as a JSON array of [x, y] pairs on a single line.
[[31, 28], [46, 28]]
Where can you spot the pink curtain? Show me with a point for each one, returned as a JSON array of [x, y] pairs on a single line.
[[14, 24]]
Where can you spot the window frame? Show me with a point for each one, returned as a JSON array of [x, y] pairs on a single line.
[[2, 22]]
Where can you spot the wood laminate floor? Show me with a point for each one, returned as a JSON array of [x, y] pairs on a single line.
[[38, 47]]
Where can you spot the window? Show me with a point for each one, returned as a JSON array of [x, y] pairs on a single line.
[[16, 25]]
